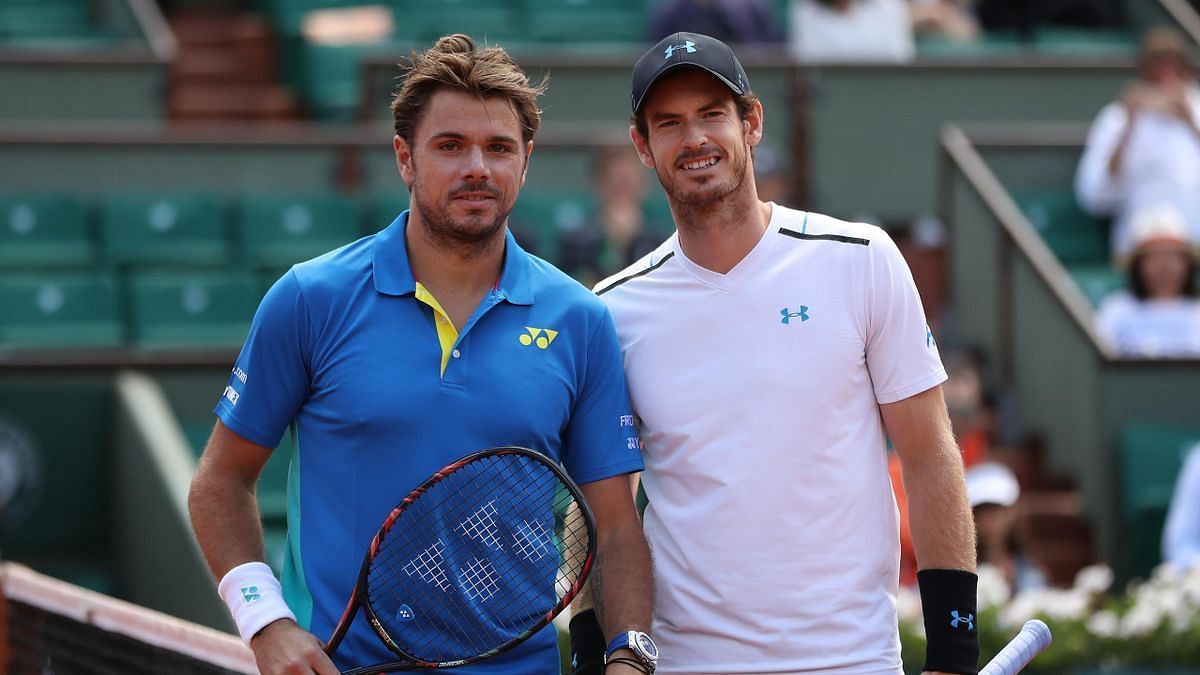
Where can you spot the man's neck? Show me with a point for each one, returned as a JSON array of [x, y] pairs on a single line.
[[718, 236], [458, 278]]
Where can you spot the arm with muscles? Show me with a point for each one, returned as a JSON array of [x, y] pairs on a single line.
[[224, 512], [621, 587], [587, 639], [943, 531]]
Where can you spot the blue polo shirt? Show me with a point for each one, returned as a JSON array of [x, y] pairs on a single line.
[[353, 350]]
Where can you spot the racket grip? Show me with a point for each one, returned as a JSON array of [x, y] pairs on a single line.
[[1033, 638]]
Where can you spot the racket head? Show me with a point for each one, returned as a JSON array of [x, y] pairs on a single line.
[[476, 559]]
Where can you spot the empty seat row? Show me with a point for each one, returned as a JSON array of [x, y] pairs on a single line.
[[168, 309], [266, 230], [530, 20], [259, 231]]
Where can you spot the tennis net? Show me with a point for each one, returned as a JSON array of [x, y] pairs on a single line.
[[50, 627]]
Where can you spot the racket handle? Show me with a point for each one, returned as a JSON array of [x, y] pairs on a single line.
[[1033, 638]]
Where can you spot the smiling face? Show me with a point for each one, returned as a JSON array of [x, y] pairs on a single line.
[[696, 140], [465, 166]]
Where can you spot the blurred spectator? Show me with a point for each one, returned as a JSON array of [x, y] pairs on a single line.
[[908, 554], [1145, 149], [771, 175], [1181, 534], [727, 20], [970, 414], [618, 234], [1159, 316], [851, 30], [947, 19], [993, 491]]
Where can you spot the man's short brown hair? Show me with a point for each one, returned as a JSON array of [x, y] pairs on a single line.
[[455, 63]]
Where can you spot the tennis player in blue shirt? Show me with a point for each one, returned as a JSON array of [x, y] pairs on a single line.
[[404, 351]]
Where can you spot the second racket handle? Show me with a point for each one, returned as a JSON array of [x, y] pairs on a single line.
[[1033, 638]]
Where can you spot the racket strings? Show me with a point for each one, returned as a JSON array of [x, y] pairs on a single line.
[[492, 549]]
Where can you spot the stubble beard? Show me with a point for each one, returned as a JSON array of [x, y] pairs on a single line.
[[699, 205], [469, 237]]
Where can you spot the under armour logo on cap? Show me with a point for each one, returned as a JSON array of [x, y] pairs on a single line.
[[688, 45]]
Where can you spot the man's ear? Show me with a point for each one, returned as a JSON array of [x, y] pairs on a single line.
[[754, 124], [528, 156], [404, 160], [642, 145]]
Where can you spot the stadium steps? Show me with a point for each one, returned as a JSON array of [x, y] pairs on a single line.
[[227, 69], [1051, 522]]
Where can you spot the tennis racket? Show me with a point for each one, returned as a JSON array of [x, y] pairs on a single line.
[[1033, 638], [473, 561]]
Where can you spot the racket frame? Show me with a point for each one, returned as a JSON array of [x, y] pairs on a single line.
[[358, 598]]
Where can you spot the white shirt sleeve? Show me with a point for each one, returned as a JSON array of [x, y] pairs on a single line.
[[1099, 193], [902, 354], [1181, 534]]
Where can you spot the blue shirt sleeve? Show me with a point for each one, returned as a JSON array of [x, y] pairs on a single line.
[[601, 440], [271, 378]]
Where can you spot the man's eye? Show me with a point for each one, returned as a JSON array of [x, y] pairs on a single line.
[[449, 146]]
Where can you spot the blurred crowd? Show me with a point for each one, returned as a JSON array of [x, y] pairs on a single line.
[[1141, 168]]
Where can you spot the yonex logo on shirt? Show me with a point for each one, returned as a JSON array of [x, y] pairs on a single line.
[[542, 337], [788, 315]]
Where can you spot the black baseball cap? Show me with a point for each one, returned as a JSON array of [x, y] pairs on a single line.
[[688, 49]]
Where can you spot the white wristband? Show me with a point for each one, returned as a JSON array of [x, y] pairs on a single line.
[[254, 597]]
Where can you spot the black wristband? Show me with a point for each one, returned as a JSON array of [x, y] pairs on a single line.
[[948, 600], [587, 644]]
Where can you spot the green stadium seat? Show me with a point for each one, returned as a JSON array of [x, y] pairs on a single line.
[[277, 231], [1150, 459], [657, 212], [385, 207], [61, 309], [44, 231], [192, 309], [585, 20], [545, 217], [1084, 42], [487, 21], [330, 79], [987, 47], [1097, 281], [1074, 236], [164, 229]]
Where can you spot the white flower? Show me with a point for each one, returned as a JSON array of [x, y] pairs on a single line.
[[993, 588], [1104, 623], [1141, 619], [1094, 579]]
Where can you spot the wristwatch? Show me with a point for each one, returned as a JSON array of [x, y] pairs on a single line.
[[637, 642]]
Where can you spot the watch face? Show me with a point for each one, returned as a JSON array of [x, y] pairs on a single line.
[[647, 646]]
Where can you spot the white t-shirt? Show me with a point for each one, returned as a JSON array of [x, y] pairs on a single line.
[[1161, 166], [878, 31], [1150, 328], [772, 519]]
